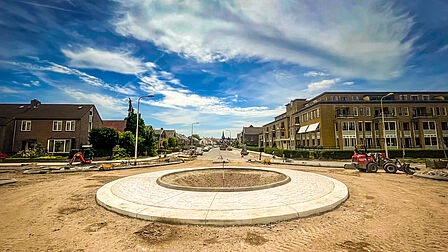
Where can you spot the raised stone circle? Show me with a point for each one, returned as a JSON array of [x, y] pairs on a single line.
[[140, 196]]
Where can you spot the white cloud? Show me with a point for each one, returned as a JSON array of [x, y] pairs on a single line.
[[365, 39], [89, 79], [314, 74], [9, 90], [105, 104], [120, 62], [321, 85], [31, 84], [348, 83], [443, 48]]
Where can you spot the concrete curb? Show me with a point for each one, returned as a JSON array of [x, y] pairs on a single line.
[[139, 196], [98, 169]]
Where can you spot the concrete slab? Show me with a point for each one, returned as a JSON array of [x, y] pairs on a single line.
[[139, 196]]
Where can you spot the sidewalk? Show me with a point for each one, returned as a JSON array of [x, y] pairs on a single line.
[[75, 163], [317, 163]]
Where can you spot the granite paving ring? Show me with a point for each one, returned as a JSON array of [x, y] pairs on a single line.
[[250, 195]]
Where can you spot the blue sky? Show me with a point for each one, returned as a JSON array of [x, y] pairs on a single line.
[[224, 64]]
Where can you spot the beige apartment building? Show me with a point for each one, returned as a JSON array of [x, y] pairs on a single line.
[[341, 120]]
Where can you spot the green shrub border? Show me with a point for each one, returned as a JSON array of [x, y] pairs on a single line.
[[347, 154]]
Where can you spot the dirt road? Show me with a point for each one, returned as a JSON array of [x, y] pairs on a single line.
[[385, 212]]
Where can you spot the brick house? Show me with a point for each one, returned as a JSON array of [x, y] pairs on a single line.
[[249, 135], [59, 128]]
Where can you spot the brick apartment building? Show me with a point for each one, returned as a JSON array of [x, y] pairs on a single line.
[[341, 120], [57, 127]]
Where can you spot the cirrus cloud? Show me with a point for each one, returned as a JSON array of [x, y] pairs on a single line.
[[365, 39]]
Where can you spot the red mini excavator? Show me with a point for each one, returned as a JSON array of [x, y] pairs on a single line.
[[81, 155]]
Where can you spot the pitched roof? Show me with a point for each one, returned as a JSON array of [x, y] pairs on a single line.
[[43, 111], [252, 130], [119, 125]]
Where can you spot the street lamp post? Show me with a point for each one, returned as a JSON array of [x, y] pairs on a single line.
[[384, 128], [136, 129], [191, 140]]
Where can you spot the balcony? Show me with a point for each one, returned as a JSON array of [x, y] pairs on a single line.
[[378, 116], [422, 115], [339, 116]]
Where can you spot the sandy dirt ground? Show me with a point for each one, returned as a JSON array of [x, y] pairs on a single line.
[[385, 212]]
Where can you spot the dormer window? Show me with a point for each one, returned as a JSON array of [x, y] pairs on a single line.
[[425, 97], [414, 97]]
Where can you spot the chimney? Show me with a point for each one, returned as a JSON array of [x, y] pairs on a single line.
[[35, 103]]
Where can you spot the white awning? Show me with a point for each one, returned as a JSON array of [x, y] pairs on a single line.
[[302, 129], [312, 127]]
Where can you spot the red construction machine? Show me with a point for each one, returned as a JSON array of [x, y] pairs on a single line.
[[370, 162], [85, 152]]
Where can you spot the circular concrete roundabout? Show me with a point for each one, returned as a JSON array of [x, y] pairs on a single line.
[[217, 196]]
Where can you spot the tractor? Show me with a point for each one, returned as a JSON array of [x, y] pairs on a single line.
[[371, 162]]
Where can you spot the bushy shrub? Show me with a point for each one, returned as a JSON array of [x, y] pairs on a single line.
[[296, 153], [277, 152], [336, 154], [37, 151], [253, 148]]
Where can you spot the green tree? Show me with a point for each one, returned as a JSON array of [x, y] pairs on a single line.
[[173, 142], [127, 142], [197, 136], [103, 139], [147, 142], [131, 124]]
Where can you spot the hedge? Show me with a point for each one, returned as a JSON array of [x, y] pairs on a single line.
[[394, 153], [253, 148]]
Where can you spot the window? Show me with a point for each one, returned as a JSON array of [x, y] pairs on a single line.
[[355, 111], [444, 111], [391, 141], [58, 145], [344, 98], [361, 111], [355, 98], [26, 126], [360, 126], [432, 111], [437, 111], [367, 111], [317, 112], [349, 141], [90, 126], [425, 97], [430, 140], [336, 126], [377, 127], [444, 125], [334, 98], [400, 112], [351, 126], [406, 111], [403, 97], [429, 125], [368, 126], [406, 126], [393, 112], [414, 97], [57, 125], [389, 125], [70, 126]]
